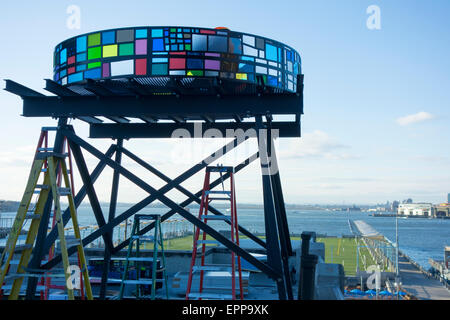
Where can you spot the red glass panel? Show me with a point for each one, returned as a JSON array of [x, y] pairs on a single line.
[[71, 60], [177, 63], [141, 67]]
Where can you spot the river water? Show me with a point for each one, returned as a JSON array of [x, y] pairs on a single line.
[[419, 238]]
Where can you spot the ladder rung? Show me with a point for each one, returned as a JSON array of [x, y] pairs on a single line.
[[23, 246], [217, 192], [44, 170], [15, 262], [32, 216], [42, 187], [45, 149], [49, 128], [22, 288], [219, 198], [213, 296], [211, 268], [142, 281], [216, 217], [208, 242], [143, 238], [140, 259], [14, 276], [219, 169], [64, 191]]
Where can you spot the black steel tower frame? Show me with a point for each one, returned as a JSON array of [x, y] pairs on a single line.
[[66, 104]]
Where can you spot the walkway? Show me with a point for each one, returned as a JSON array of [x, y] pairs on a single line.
[[417, 284]]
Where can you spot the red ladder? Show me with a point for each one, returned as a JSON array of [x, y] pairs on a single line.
[[208, 195]]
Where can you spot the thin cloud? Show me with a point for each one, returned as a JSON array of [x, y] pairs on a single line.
[[317, 144], [414, 118]]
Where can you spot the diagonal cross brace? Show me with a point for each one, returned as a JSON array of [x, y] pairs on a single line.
[[187, 193], [51, 237], [171, 204], [142, 204], [190, 200]]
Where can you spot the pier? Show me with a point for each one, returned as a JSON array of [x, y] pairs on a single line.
[[419, 283]]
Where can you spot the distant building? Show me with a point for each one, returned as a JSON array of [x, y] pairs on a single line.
[[394, 206], [448, 198], [442, 210], [415, 209], [409, 200]]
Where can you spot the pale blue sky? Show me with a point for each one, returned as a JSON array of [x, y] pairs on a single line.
[[358, 83]]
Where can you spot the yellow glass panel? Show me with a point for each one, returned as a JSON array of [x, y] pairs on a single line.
[[110, 51], [241, 76]]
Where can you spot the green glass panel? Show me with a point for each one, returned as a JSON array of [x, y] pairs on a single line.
[[94, 39], [187, 47], [173, 30], [126, 49], [195, 73], [94, 53], [94, 65]]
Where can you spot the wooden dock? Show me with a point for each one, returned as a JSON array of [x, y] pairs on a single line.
[[417, 283]]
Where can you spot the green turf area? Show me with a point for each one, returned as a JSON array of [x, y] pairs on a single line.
[[337, 250], [343, 251]]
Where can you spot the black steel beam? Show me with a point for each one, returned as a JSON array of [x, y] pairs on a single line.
[[90, 190], [21, 90], [187, 193], [274, 257], [111, 216], [90, 120], [59, 90], [161, 106], [165, 130], [277, 276]]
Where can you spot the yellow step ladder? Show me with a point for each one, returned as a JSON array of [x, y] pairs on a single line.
[[53, 160]]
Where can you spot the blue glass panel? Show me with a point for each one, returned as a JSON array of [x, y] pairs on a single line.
[[63, 73], [158, 45], [167, 48], [93, 73], [186, 30], [166, 33], [181, 47], [81, 57], [194, 64], [174, 47], [271, 52], [75, 77], [108, 37], [142, 33], [81, 44], [173, 40], [198, 42], [166, 40], [63, 57], [179, 35], [81, 67], [156, 60], [272, 81], [235, 46], [244, 67], [217, 43], [247, 58]]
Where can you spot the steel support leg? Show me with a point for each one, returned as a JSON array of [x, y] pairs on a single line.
[[280, 213], [111, 216], [274, 258]]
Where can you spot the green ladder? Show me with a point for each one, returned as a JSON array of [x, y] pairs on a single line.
[[136, 238]]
